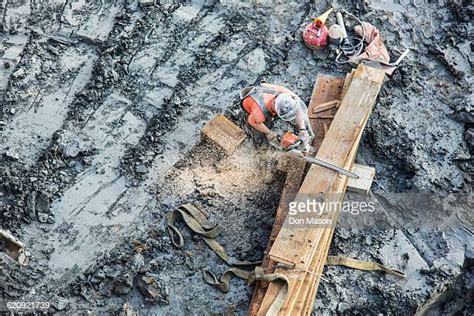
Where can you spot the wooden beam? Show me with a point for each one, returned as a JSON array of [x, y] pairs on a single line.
[[366, 177], [297, 248], [326, 106], [224, 133], [354, 109], [323, 116], [347, 83], [326, 88], [309, 296], [295, 171]]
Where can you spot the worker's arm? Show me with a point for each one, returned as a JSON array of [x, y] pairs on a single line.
[[261, 127], [256, 119], [271, 135], [300, 119]]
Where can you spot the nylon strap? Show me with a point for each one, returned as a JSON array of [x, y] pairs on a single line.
[[362, 265], [223, 283], [196, 220]]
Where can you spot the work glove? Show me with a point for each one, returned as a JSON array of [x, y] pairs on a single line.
[[305, 140], [273, 140]]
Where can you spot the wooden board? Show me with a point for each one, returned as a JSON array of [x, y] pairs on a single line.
[[222, 132], [325, 89], [355, 107], [300, 247], [347, 83], [366, 177], [295, 169], [326, 106], [323, 116], [309, 294]]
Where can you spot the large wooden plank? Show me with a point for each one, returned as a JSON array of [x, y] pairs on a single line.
[[291, 247], [308, 295], [297, 247], [302, 298], [295, 171], [326, 89]]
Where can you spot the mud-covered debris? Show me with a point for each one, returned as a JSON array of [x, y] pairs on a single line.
[[146, 3], [469, 137], [70, 144], [141, 169], [466, 117], [12, 154], [127, 310], [60, 303], [13, 247], [19, 73], [149, 286], [124, 283]]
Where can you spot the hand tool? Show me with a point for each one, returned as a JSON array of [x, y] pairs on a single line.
[[292, 145]]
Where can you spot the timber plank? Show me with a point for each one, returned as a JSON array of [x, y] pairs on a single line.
[[323, 116], [305, 307], [325, 106], [347, 83], [294, 177], [326, 89], [341, 138], [224, 133], [293, 247]]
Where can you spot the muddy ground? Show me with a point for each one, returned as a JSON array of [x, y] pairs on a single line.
[[101, 108]]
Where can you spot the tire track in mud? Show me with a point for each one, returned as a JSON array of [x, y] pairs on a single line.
[[138, 199], [83, 118], [32, 128], [52, 172], [34, 131]]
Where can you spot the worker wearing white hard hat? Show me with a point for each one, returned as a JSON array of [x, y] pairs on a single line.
[[266, 101]]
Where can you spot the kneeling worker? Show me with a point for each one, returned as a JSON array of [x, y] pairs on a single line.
[[266, 101]]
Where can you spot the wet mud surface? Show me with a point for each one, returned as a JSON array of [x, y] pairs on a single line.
[[101, 106]]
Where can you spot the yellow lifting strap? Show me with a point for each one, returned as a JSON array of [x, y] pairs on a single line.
[[362, 265], [197, 220]]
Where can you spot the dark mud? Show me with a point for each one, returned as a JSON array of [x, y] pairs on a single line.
[[101, 107]]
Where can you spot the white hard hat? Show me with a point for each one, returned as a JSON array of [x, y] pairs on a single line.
[[286, 106]]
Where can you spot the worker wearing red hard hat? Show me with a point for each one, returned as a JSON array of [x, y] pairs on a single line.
[[264, 102]]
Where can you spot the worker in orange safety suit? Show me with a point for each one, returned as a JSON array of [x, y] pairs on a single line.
[[264, 102]]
